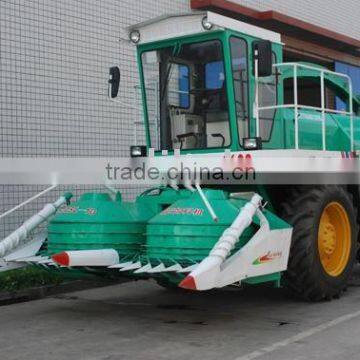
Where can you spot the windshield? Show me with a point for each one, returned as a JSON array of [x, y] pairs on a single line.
[[186, 96]]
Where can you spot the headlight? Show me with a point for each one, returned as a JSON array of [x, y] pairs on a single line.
[[207, 25], [138, 151], [134, 36], [252, 143]]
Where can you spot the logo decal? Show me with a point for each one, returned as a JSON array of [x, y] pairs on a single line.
[[69, 210], [74, 210], [183, 211], [91, 211], [267, 258]]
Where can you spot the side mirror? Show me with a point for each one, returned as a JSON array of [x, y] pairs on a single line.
[[114, 81], [263, 54]]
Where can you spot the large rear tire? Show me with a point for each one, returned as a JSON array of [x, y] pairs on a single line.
[[324, 242]]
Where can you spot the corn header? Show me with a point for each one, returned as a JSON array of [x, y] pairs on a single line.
[[217, 88]]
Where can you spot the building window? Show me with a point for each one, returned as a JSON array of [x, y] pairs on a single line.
[[354, 73]]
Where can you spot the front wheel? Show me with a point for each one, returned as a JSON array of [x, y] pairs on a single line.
[[324, 243]]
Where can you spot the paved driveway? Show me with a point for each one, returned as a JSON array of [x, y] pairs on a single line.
[[142, 321]]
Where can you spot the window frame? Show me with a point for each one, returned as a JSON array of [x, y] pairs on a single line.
[[277, 103], [248, 85], [219, 36]]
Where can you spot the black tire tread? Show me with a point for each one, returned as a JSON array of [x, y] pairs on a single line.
[[299, 210]]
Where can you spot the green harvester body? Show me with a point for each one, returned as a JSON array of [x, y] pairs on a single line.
[[173, 226]]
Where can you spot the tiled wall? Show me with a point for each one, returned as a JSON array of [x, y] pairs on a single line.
[[54, 62]]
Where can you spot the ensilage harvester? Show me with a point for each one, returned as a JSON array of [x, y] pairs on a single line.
[[222, 93]]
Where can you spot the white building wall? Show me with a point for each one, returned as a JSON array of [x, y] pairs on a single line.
[[339, 16], [54, 63], [55, 58]]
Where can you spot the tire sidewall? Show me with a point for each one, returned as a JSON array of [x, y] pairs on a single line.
[[332, 194]]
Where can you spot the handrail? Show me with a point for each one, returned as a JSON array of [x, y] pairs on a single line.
[[28, 201], [298, 106], [308, 107], [17, 237], [305, 66]]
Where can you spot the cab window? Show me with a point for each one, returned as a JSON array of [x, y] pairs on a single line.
[[268, 97], [187, 84], [239, 63]]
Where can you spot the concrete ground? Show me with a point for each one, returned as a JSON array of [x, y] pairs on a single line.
[[142, 321]]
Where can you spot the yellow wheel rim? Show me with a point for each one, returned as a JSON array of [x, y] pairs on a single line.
[[334, 239]]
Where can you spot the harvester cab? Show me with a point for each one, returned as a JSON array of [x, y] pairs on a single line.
[[211, 83], [202, 80], [217, 89]]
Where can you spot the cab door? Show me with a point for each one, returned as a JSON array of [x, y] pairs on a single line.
[[240, 76], [271, 94]]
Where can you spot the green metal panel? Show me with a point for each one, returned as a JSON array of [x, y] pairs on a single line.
[[185, 232], [96, 221], [337, 129], [274, 278]]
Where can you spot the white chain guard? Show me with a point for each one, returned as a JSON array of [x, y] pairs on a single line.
[[266, 253]]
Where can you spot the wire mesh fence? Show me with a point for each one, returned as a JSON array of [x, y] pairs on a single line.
[[55, 57]]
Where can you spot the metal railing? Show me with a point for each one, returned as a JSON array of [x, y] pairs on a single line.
[[41, 193], [18, 236], [296, 106]]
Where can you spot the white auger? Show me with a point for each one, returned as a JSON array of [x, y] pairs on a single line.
[[218, 269], [18, 237], [231, 235]]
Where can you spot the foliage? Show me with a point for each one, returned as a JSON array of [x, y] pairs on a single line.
[[26, 278]]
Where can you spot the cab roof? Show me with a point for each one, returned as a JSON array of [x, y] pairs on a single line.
[[176, 25]]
